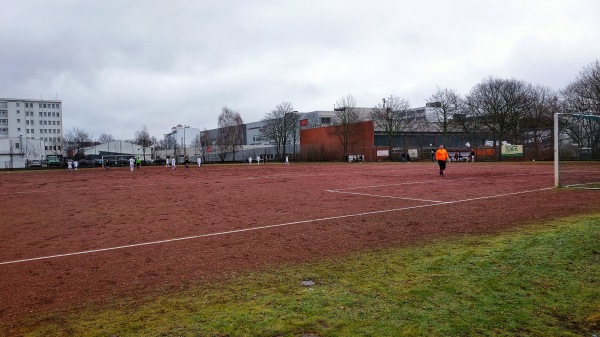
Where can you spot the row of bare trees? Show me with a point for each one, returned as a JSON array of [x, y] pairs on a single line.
[[506, 109]]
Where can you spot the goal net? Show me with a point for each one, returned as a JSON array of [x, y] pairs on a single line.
[[577, 151], [114, 160]]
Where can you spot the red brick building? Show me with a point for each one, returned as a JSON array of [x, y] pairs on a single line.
[[322, 144]]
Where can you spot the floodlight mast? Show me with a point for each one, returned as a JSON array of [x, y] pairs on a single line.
[[556, 152]]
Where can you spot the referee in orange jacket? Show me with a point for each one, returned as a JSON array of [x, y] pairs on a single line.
[[441, 155]]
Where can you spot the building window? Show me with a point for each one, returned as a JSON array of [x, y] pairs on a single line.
[[57, 122], [17, 145], [27, 130], [18, 120], [18, 111], [18, 129], [18, 104], [44, 105], [58, 114], [40, 114]]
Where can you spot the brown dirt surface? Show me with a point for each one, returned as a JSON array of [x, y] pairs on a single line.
[[71, 239]]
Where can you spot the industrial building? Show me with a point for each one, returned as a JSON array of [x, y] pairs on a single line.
[[30, 130]]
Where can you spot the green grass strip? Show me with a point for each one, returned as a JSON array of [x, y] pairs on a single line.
[[542, 280]]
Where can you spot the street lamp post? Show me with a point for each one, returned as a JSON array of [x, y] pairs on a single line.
[[184, 143]]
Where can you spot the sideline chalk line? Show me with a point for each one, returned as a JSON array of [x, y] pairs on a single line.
[[48, 257]]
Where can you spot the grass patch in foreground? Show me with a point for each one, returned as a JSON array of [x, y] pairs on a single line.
[[536, 281]]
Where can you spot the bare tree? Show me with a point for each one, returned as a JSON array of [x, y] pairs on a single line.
[[205, 142], [294, 129], [390, 116], [537, 123], [279, 124], [582, 96], [106, 138], [230, 134], [346, 121], [78, 139], [445, 103], [143, 138], [197, 145], [499, 105], [33, 148]]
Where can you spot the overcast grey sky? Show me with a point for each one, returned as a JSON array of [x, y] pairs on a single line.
[[120, 64]]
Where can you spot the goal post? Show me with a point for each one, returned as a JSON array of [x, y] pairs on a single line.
[[576, 150]]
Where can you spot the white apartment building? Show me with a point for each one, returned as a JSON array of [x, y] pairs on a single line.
[[30, 129]]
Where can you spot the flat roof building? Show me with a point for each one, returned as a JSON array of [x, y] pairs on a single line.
[[30, 129]]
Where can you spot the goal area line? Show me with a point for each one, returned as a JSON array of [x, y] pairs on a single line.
[[192, 237]]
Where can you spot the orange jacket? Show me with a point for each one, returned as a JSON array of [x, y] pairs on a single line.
[[441, 154]]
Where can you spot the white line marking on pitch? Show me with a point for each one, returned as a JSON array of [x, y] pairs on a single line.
[[264, 227], [381, 196]]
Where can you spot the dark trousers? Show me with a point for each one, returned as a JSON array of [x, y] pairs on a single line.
[[442, 164]]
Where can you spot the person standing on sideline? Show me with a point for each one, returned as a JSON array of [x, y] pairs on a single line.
[[173, 163], [257, 160], [131, 164], [70, 165], [249, 160], [75, 164], [199, 160], [287, 161], [167, 162], [186, 162], [107, 165], [441, 155]]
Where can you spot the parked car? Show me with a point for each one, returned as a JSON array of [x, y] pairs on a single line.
[[86, 162], [122, 161], [35, 163], [54, 160]]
